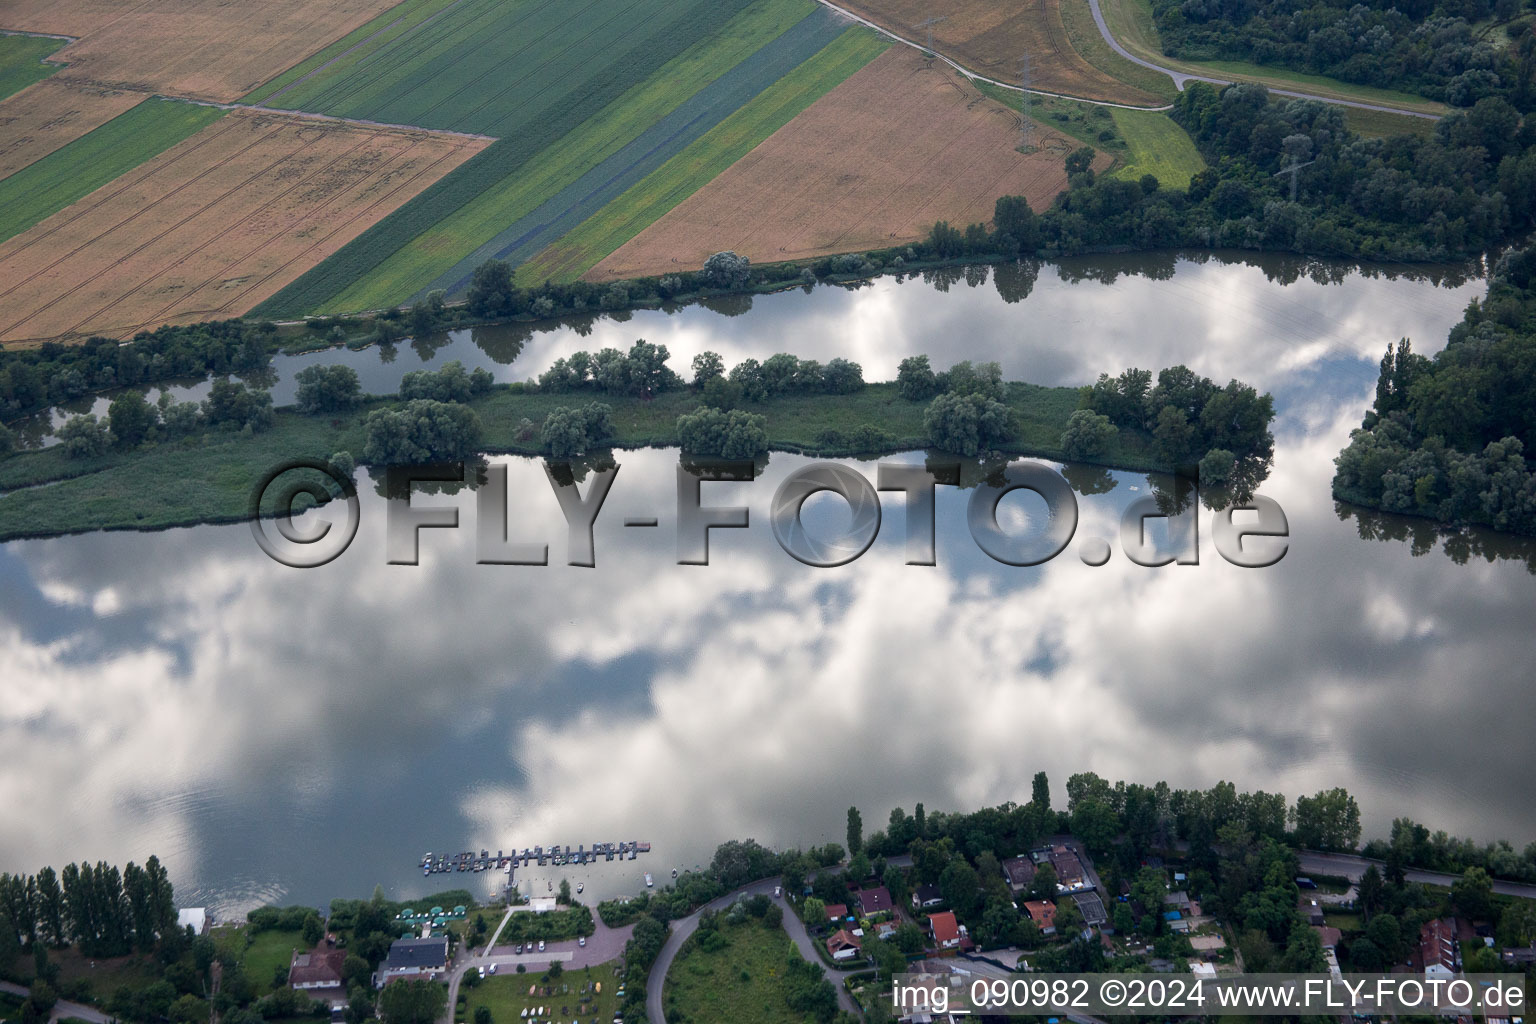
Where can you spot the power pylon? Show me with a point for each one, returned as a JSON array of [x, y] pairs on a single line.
[[929, 26], [1026, 125]]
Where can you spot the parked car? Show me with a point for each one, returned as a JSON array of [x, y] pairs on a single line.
[[493, 968], [581, 941], [541, 945], [519, 947]]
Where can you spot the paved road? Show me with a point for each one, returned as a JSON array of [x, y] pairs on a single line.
[[684, 927], [63, 1008], [1180, 78], [1352, 867]]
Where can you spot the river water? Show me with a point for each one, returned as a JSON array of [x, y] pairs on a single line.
[[293, 735]]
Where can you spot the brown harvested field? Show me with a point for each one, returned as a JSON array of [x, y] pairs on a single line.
[[989, 37], [208, 50], [45, 116], [213, 225], [901, 144]]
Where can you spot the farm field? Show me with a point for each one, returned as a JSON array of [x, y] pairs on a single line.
[[46, 186], [21, 61], [386, 26], [496, 67], [38, 120], [513, 177], [1159, 147], [875, 162], [648, 151], [212, 225], [988, 38], [217, 51], [701, 162]]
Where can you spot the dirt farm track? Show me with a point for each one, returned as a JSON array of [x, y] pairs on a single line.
[[989, 37], [213, 225], [875, 162]]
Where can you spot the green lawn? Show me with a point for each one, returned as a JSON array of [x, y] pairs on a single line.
[[1086, 39], [587, 993], [208, 479], [1379, 124], [1159, 147], [702, 160], [741, 983], [21, 61], [379, 32], [1076, 119], [267, 951], [71, 172], [421, 248]]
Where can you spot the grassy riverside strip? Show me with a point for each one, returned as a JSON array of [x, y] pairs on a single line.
[[426, 236], [208, 478], [21, 61], [703, 160], [40, 190], [1159, 147], [379, 32]]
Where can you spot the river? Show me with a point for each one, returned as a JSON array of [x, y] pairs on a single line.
[[293, 735]]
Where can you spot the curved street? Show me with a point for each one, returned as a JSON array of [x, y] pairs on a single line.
[[1180, 78]]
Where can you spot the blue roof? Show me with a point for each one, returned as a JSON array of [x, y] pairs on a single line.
[[1172, 915]]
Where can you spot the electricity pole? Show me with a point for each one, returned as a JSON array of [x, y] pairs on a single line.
[[929, 26]]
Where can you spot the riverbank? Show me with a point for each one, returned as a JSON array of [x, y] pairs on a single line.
[[207, 478]]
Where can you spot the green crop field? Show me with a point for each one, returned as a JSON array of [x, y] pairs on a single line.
[[499, 68], [354, 46], [71, 172], [21, 61], [427, 236], [707, 157], [1159, 147]]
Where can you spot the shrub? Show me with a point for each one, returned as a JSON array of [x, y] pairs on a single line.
[[571, 433], [83, 437], [732, 435], [915, 379], [421, 431], [343, 462], [727, 270], [327, 389], [1087, 434], [967, 423]]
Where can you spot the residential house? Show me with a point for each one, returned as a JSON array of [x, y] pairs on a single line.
[[1020, 872], [316, 968], [925, 896], [886, 929], [875, 901], [1438, 955], [843, 945], [1043, 913], [945, 929], [1070, 873], [837, 911], [415, 958], [1521, 956], [317, 973]]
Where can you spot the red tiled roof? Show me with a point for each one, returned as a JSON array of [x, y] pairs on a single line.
[[842, 939], [945, 928], [836, 911], [1437, 944], [1042, 912]]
